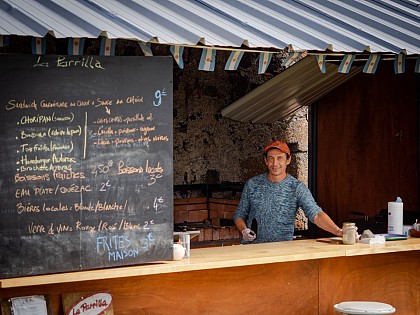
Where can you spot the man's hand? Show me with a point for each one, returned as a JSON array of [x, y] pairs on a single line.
[[248, 235]]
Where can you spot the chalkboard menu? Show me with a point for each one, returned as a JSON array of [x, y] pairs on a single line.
[[86, 162]]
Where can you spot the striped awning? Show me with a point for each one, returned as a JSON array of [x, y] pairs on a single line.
[[318, 28], [312, 25]]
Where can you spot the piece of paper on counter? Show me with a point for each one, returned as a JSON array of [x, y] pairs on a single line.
[[378, 239], [29, 305]]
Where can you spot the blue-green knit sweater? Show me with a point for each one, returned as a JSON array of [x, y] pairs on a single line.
[[274, 206]]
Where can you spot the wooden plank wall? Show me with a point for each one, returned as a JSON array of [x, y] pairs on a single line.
[[309, 287], [368, 144], [258, 289], [388, 278]]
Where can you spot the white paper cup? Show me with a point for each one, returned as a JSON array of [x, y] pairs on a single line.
[[179, 251]]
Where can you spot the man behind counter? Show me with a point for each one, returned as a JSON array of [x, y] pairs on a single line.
[[271, 200]]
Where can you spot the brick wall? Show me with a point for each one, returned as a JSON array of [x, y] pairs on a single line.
[[209, 212], [190, 210]]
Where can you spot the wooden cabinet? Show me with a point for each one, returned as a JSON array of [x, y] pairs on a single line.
[[295, 277]]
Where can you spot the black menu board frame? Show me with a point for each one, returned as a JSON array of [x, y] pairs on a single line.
[[86, 175]]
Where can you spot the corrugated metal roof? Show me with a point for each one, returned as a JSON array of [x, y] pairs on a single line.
[[299, 85], [332, 26], [346, 25]]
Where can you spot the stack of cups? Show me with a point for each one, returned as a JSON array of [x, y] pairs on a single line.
[[185, 242]]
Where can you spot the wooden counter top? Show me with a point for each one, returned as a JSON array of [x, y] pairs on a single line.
[[224, 257]]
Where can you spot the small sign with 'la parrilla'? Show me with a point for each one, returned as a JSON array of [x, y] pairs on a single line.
[[92, 304]]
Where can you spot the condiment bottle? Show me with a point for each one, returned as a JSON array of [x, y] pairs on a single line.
[[349, 233]]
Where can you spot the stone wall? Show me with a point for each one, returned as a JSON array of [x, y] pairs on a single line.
[[209, 148]]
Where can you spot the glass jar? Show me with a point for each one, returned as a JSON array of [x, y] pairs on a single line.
[[349, 233]]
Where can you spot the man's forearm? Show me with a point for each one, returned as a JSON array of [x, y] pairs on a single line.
[[323, 221]]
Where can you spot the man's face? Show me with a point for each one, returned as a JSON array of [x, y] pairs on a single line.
[[277, 162]]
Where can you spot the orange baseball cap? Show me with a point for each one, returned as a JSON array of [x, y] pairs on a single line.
[[282, 146]]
